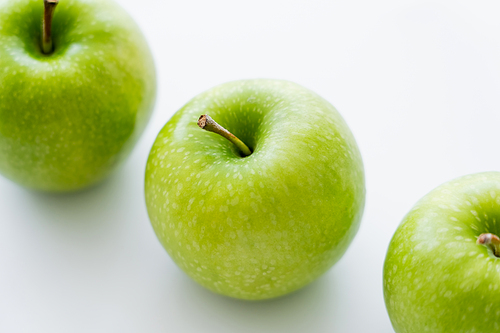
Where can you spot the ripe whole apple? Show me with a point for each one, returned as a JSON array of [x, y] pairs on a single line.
[[70, 113], [266, 224], [442, 270]]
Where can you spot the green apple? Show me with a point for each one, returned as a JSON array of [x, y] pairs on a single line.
[[263, 224], [70, 110], [442, 270]]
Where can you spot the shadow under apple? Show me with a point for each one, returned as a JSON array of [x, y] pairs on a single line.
[[296, 312]]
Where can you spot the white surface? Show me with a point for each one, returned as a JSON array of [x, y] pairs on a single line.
[[417, 81]]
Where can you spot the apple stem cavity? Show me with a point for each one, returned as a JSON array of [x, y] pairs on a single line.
[[492, 241], [208, 124], [48, 13]]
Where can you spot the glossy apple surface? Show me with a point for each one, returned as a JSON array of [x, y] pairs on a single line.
[[436, 278], [68, 118], [264, 225]]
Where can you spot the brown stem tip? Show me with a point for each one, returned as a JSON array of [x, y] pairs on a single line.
[[208, 124], [492, 241], [202, 121]]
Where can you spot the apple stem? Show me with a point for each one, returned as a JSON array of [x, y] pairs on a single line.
[[492, 241], [48, 13], [207, 123]]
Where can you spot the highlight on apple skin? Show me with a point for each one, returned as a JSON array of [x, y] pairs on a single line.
[[442, 270], [70, 110], [267, 224]]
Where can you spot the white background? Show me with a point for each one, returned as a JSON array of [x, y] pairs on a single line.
[[417, 81]]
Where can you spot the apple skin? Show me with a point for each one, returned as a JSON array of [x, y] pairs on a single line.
[[264, 225], [69, 118], [436, 278]]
